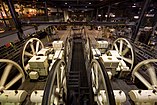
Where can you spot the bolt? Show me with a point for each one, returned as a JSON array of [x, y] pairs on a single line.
[[154, 91], [2, 91], [35, 92], [120, 92], [16, 91], [139, 91]]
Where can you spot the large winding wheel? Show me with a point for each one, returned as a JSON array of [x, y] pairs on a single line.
[[88, 49], [31, 47], [100, 81], [56, 89], [125, 50], [145, 72], [12, 73], [67, 49]]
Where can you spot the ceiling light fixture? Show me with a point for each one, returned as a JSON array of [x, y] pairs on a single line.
[[99, 15], [136, 17], [134, 6]]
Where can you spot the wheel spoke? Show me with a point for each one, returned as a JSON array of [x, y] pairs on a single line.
[[62, 73], [14, 80], [5, 74], [125, 51], [121, 46], [27, 67], [143, 80], [152, 74], [37, 46], [93, 76], [127, 59], [94, 82], [32, 48], [115, 45], [28, 54]]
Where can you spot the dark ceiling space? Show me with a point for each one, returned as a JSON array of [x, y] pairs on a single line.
[[79, 4], [93, 8], [74, 3], [121, 8]]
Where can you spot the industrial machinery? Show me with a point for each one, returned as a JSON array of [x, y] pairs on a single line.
[[119, 63], [37, 62], [79, 70]]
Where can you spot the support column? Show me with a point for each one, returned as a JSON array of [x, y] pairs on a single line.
[[154, 23], [46, 11], [15, 19], [92, 15], [3, 19], [102, 15], [66, 16], [108, 13], [97, 11], [3, 8], [146, 4]]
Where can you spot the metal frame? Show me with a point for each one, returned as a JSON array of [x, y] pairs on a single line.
[[78, 23]]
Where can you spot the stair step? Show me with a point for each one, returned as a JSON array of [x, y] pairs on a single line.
[[73, 86], [74, 72], [73, 79], [71, 83], [84, 88], [85, 94], [73, 76]]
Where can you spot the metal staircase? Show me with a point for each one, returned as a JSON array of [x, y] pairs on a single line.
[[78, 88]]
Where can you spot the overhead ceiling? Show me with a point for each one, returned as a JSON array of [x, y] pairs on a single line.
[[78, 4], [70, 3]]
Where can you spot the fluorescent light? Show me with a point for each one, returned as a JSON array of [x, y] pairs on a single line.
[[134, 6], [99, 15], [136, 17], [149, 15], [113, 15]]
